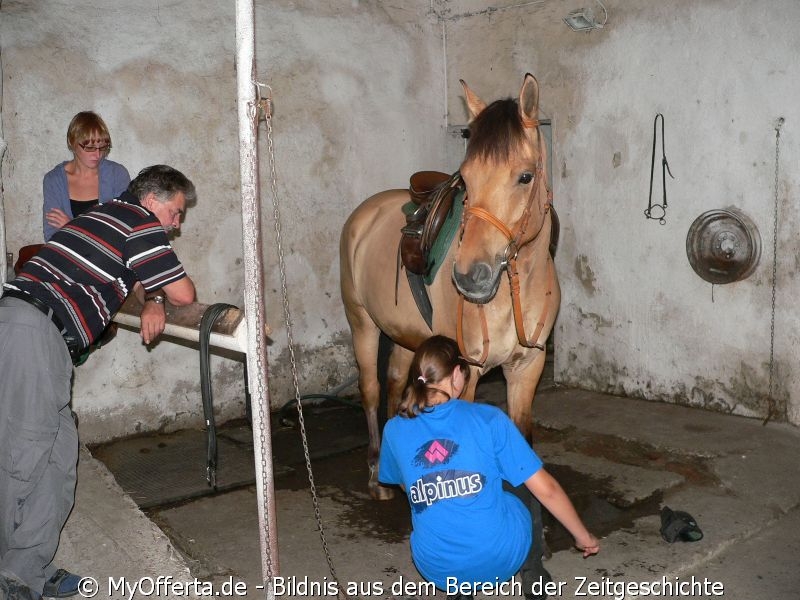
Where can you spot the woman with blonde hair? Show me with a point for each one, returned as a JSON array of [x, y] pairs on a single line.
[[451, 457], [76, 186]]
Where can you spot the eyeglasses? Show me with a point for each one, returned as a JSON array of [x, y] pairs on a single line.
[[90, 148]]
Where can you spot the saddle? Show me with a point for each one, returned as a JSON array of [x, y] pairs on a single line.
[[432, 195]]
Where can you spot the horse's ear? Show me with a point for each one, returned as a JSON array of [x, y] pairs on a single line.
[[529, 98], [474, 104]]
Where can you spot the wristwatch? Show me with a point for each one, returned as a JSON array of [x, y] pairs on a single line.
[[157, 298]]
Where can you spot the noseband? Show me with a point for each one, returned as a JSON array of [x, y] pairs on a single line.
[[510, 260], [512, 249]]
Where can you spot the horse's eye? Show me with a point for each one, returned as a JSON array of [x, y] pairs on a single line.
[[526, 178]]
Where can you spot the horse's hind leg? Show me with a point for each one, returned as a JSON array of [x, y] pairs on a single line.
[[396, 375], [366, 337]]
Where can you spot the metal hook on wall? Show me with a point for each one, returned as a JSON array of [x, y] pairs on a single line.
[[264, 100], [658, 212]]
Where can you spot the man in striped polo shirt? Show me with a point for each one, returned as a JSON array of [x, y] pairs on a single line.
[[61, 301]]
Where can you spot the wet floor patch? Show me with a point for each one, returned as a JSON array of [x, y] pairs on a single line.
[[343, 478], [166, 469], [336, 441]]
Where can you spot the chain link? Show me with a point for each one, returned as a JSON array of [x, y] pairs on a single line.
[[770, 396], [290, 341], [261, 387]]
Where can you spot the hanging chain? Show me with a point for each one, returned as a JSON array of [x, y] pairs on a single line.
[[770, 396], [261, 387], [266, 105]]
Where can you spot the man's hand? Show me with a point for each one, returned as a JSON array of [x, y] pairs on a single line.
[[154, 319]]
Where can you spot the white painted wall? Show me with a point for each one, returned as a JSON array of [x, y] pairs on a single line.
[[363, 94], [352, 83], [635, 318]]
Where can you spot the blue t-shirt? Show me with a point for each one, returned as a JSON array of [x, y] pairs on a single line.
[[452, 461]]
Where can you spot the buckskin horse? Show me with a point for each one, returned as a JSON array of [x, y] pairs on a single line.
[[508, 227]]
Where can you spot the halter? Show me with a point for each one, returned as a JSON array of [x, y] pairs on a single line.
[[510, 261]]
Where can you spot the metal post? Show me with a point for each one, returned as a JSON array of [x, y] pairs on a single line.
[[3, 265], [254, 287]]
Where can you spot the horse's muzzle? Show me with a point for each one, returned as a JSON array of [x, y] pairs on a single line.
[[480, 283]]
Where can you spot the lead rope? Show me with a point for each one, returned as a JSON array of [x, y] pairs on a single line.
[[770, 397], [661, 212], [266, 106]]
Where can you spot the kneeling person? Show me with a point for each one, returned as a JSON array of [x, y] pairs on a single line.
[[451, 457]]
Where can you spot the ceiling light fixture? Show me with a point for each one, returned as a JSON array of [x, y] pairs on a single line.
[[583, 19]]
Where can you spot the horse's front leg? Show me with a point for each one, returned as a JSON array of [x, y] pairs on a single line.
[[397, 377], [521, 382], [521, 387]]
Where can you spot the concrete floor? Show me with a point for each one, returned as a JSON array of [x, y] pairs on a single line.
[[619, 459]]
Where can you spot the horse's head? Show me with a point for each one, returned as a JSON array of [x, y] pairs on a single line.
[[507, 198]]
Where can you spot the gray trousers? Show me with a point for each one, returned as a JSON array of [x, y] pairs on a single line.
[[38, 442]]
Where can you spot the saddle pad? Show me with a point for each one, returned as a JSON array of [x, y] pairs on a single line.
[[446, 234]]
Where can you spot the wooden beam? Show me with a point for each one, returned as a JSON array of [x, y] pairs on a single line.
[[229, 330]]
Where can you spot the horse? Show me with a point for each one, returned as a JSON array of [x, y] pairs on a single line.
[[507, 227]]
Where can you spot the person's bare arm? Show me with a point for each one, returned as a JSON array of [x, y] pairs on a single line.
[[550, 493], [181, 292], [154, 315]]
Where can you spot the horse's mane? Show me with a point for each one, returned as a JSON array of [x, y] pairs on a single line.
[[496, 132]]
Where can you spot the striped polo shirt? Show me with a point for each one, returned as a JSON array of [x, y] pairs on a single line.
[[89, 266]]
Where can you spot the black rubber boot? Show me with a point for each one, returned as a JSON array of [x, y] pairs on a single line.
[[533, 574]]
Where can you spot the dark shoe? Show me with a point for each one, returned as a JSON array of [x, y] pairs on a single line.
[[62, 584], [679, 525]]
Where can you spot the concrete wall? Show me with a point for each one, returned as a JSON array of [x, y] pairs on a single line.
[[366, 93], [352, 88], [635, 318]]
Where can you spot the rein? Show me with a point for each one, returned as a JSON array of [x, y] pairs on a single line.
[[510, 265]]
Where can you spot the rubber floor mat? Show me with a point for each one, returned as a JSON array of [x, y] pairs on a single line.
[[162, 469]]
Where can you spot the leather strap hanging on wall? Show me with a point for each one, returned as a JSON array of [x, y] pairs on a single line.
[[658, 212]]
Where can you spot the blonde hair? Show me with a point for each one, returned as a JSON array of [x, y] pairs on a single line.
[[435, 360], [87, 126]]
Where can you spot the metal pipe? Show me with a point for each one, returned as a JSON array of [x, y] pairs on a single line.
[[3, 265], [247, 112], [3, 262]]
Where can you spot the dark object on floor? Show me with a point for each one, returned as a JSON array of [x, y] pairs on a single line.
[[679, 525], [13, 589], [62, 584]]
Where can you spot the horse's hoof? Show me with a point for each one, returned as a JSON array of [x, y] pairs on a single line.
[[381, 492]]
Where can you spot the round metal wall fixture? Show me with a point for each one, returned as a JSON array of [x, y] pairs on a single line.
[[723, 246]]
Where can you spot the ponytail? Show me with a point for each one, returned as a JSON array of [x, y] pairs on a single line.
[[435, 359]]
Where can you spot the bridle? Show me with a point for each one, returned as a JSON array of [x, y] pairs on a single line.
[[509, 262]]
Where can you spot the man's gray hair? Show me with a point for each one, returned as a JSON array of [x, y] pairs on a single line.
[[164, 182]]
